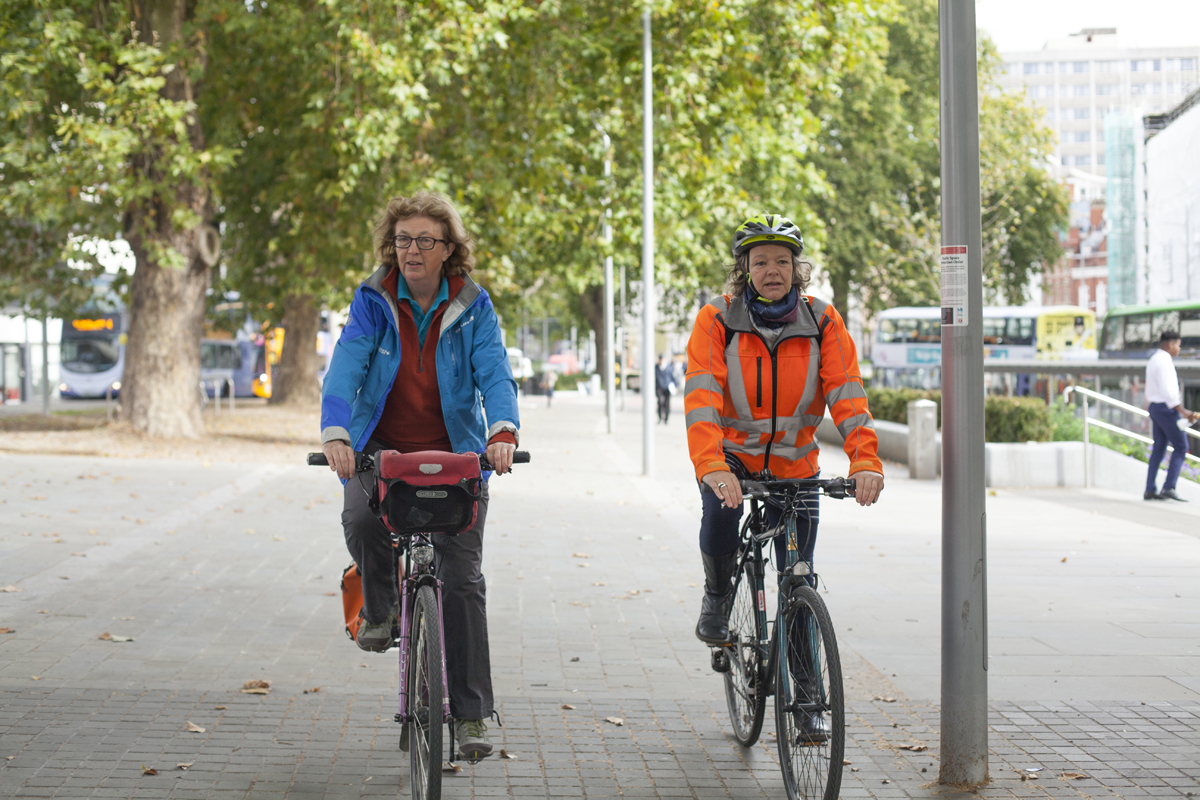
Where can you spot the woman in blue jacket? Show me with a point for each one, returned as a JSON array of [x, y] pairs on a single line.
[[419, 364]]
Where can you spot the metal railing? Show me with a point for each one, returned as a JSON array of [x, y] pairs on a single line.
[[1108, 426], [216, 384]]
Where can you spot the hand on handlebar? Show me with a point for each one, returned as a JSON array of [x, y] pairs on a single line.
[[868, 486], [726, 486], [341, 458], [500, 456]]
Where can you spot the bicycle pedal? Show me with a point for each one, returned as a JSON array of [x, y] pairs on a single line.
[[720, 660]]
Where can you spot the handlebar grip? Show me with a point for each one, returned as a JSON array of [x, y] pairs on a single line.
[[521, 457], [317, 460]]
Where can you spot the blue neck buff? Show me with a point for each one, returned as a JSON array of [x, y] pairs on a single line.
[[772, 314]]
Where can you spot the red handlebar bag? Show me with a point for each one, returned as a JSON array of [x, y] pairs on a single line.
[[429, 491]]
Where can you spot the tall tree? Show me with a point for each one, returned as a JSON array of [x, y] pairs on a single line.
[[110, 94]]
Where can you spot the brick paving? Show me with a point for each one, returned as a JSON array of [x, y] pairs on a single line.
[[223, 573]]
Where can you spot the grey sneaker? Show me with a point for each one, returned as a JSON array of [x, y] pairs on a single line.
[[378, 638], [473, 741]]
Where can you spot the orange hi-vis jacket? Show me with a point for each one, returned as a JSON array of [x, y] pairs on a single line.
[[764, 404]]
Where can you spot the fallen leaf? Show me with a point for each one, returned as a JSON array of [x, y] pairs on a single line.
[[220, 708], [635, 591], [9, 758], [256, 687], [581, 555], [568, 707], [597, 583], [8, 630], [618, 721], [105, 637], [125, 618], [43, 611], [846, 762], [149, 770], [331, 594], [884, 699], [194, 728], [1029, 776], [507, 756], [574, 658], [313, 690], [81, 555], [35, 677], [249, 530], [91, 531], [277, 538], [451, 768], [1073, 776], [38, 497], [913, 748], [10, 588], [583, 565], [65, 577], [183, 765]]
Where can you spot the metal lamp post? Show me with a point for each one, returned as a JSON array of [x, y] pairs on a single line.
[[648, 302], [964, 722]]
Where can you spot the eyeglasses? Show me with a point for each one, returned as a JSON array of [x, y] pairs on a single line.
[[423, 242]]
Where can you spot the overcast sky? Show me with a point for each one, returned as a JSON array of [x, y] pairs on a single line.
[[1027, 24]]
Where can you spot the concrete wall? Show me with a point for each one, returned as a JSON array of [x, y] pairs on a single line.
[[1030, 465]]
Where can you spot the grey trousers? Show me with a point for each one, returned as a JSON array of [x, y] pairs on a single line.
[[457, 560]]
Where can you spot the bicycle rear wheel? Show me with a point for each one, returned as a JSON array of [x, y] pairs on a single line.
[[810, 721], [744, 682], [425, 696]]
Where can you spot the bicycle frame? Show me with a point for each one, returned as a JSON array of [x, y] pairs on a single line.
[[414, 580]]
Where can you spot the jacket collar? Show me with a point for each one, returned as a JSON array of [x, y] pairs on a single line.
[[737, 318], [461, 296]]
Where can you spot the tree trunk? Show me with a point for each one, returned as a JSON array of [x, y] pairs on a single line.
[[159, 388], [591, 302], [295, 379]]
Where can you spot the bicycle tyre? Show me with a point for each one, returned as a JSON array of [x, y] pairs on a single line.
[[811, 766], [745, 681], [425, 698]]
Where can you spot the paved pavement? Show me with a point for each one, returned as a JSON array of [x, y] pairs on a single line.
[[223, 573]]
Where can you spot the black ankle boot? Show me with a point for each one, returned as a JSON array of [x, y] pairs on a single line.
[[713, 627]]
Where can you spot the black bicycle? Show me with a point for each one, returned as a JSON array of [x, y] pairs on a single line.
[[797, 661]]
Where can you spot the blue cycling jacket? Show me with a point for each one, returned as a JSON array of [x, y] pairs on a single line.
[[473, 373]]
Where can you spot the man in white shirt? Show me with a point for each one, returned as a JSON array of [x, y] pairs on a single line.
[[1166, 410]]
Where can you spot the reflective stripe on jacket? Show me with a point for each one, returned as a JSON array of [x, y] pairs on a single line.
[[734, 402]]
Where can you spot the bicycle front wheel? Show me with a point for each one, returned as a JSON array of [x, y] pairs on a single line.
[[810, 720], [425, 696], [744, 682]]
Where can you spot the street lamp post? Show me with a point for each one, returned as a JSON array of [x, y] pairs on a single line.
[[648, 302], [610, 391], [964, 734]]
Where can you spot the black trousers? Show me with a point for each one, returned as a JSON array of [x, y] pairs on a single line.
[[457, 560], [664, 403]]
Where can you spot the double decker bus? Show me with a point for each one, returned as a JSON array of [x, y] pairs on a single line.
[[92, 356], [1132, 332], [907, 348]]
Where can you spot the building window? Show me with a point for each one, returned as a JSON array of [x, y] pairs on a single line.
[[1108, 66], [1083, 113], [1187, 64], [1080, 66], [1179, 64], [1145, 65], [1083, 137], [1100, 160], [1066, 161], [1031, 69], [1048, 68], [1106, 88], [1081, 90], [1155, 88], [1083, 161], [1137, 88]]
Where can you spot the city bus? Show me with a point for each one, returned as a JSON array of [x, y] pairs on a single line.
[[907, 347], [1133, 331], [92, 356]]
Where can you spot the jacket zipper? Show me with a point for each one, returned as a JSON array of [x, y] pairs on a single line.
[[759, 396]]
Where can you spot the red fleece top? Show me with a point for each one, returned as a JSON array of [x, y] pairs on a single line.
[[412, 418]]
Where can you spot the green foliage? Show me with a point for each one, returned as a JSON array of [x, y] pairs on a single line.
[[878, 149], [1016, 419], [892, 404], [1006, 419]]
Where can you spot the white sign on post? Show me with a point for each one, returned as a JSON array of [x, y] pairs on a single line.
[[954, 285]]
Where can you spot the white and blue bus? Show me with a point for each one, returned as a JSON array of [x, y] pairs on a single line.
[[93, 356], [907, 347]]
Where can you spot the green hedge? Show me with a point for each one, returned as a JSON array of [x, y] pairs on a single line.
[[1006, 419]]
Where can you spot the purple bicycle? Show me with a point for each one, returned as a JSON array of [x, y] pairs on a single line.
[[416, 495]]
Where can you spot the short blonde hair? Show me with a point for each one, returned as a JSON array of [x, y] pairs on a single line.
[[739, 274], [426, 204]]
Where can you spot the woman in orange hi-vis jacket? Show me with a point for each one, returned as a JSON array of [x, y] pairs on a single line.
[[764, 362]]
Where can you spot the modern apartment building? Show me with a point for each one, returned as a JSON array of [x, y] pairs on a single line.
[[1079, 79]]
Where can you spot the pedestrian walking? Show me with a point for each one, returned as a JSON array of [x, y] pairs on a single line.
[[664, 385], [1168, 417], [397, 382], [549, 378]]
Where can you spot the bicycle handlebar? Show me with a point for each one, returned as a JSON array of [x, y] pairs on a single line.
[[756, 490], [365, 463]]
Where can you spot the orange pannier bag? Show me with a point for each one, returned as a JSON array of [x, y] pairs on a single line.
[[352, 596]]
